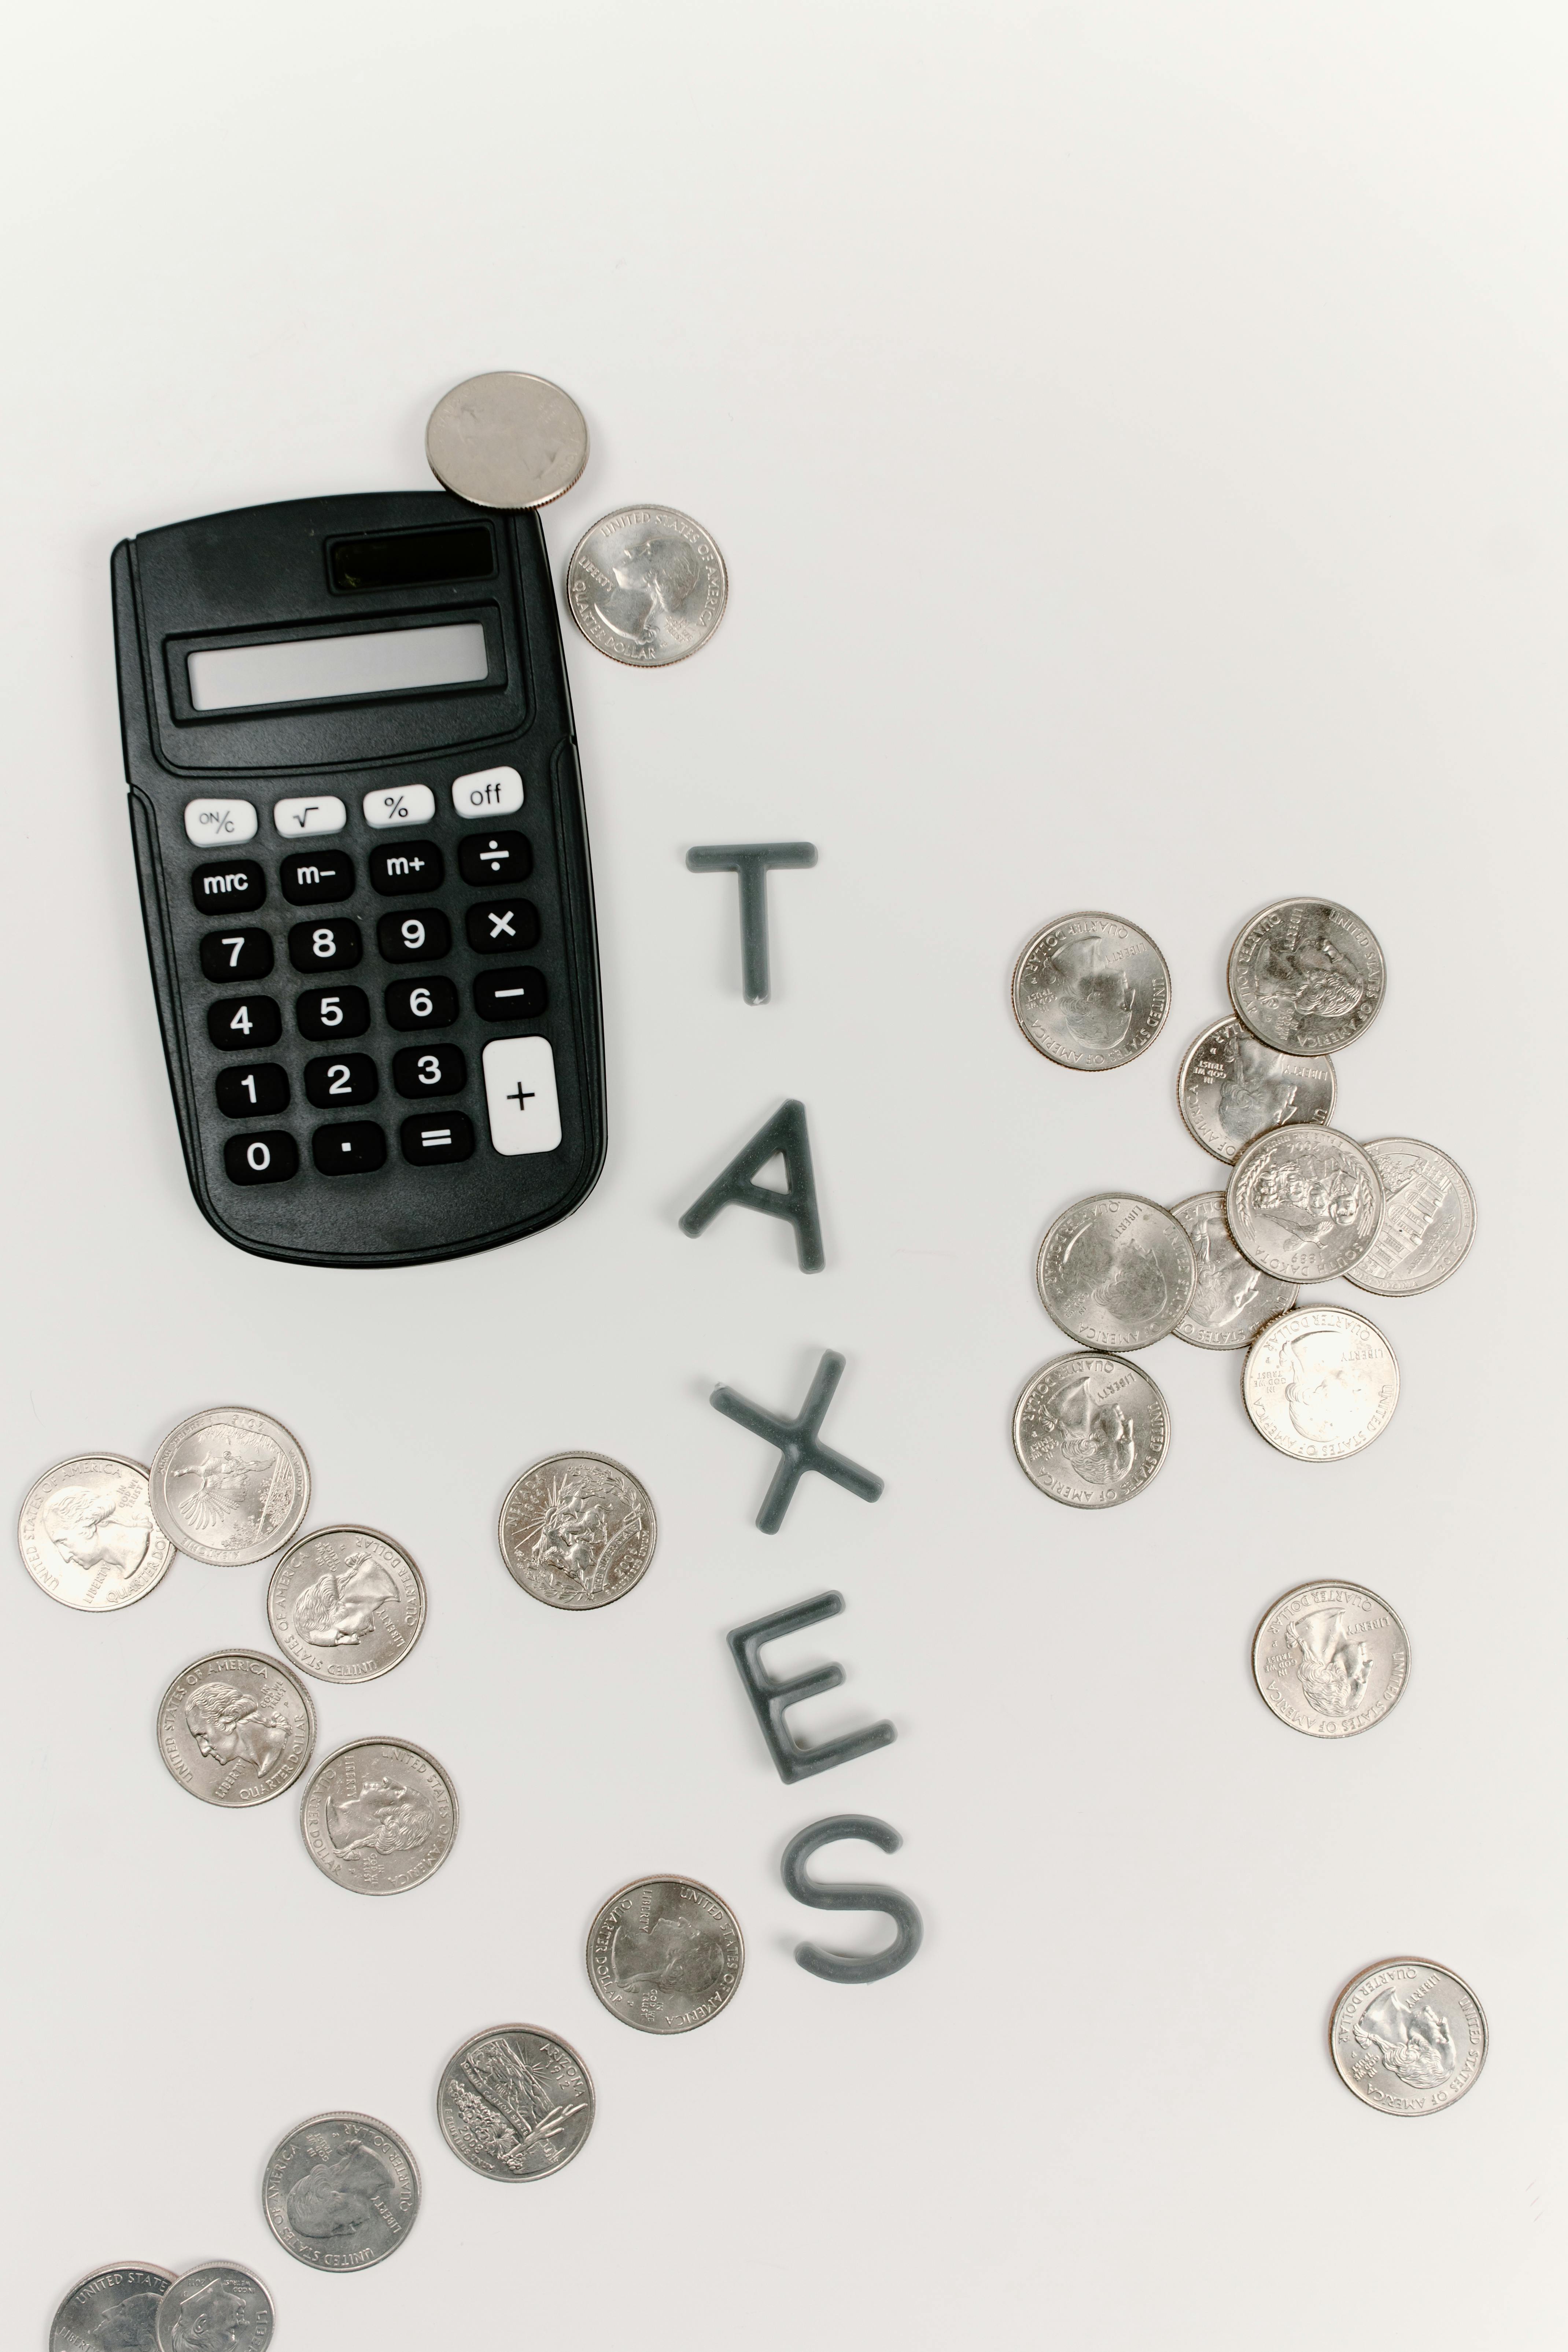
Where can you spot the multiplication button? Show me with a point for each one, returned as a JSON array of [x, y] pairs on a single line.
[[434, 1138]]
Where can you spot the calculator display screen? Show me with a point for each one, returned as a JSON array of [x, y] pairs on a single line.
[[316, 669]]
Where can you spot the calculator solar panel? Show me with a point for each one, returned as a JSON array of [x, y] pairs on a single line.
[[364, 863]]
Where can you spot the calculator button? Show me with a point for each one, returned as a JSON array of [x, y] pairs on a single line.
[[488, 859], [351, 1150], [414, 804], [332, 1013], [503, 926], [413, 939], [434, 1138], [236, 955], [332, 1079], [269, 1159], [410, 866], [324, 813], [240, 1024], [420, 1070], [219, 822], [247, 1093], [316, 877], [516, 995], [422, 1003], [519, 1094], [232, 888], [325, 947], [488, 792]]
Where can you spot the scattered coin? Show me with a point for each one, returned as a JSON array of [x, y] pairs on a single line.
[[647, 585], [346, 1604], [666, 1955], [1330, 1659], [229, 1485], [1116, 1271], [379, 1816], [1408, 2037], [1307, 976], [1319, 1383], [341, 2192], [1303, 1203], [515, 2104], [1090, 1431], [235, 1728], [1231, 1086], [114, 2307], [220, 2304], [1091, 991], [507, 440], [1232, 1298], [577, 1530], [87, 1536], [1428, 1219]]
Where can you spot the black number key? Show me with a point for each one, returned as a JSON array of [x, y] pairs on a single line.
[[315, 878], [269, 1159], [325, 947], [342, 1078], [240, 1024], [332, 1013], [422, 1003], [419, 1070], [413, 939], [351, 1150], [434, 1138], [487, 859], [245, 1094], [232, 885], [236, 955], [406, 866], [516, 995], [503, 926]]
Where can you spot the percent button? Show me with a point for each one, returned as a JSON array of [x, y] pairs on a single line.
[[412, 805]]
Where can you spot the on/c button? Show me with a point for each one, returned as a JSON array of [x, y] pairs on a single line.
[[519, 1094]]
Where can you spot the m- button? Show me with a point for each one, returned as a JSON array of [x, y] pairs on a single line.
[[519, 1094]]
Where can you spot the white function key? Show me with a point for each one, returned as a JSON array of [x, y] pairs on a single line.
[[519, 1094], [223, 822], [410, 804], [488, 792], [323, 813]]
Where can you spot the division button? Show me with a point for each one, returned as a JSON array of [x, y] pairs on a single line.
[[269, 1158], [316, 877], [248, 1094], [421, 1070], [406, 867], [488, 859], [231, 888], [322, 813], [354, 1149], [209, 823], [516, 994], [488, 792], [435, 1137], [503, 926], [519, 1094], [411, 804]]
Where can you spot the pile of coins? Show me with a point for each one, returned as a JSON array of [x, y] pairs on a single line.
[[1304, 1204]]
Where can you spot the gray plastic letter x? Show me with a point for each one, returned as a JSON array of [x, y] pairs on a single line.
[[750, 860], [799, 1446]]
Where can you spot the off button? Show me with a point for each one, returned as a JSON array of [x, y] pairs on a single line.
[[519, 1094], [488, 792]]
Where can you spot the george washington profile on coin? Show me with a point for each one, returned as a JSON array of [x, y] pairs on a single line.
[[338, 1611], [227, 1722]]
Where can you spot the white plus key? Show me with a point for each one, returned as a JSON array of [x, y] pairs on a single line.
[[519, 1094]]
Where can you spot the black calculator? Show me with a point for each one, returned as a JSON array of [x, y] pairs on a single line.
[[364, 863]]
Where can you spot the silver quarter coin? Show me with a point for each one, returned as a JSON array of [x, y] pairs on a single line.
[[1116, 1271], [577, 1530], [515, 2104], [113, 2308], [666, 1955], [229, 1485], [235, 1728], [1303, 1203], [647, 585], [1319, 1383], [507, 440], [87, 1536], [1090, 1431], [218, 2307], [1307, 976], [345, 1604], [1231, 1086], [1408, 2037], [341, 2192], [1428, 1219], [1232, 1298], [1330, 1659], [1091, 991], [379, 1816]]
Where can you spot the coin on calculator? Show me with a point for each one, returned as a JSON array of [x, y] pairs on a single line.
[[515, 2104], [1330, 1659], [345, 1604], [379, 1816], [1303, 1203], [341, 2192], [507, 439], [1408, 2037], [1319, 1383], [666, 1955], [216, 2303], [1091, 991], [1231, 1086], [1090, 1431], [117, 2305], [1428, 1219], [229, 1485], [1307, 976], [87, 1536], [577, 1530], [235, 1728], [1232, 1298], [648, 586], [1116, 1271]]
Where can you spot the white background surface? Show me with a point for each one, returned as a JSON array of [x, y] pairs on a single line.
[[1137, 436]]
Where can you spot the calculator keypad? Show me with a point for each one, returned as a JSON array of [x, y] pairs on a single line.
[[421, 937], [334, 946], [334, 1080], [329, 1014], [261, 1091], [239, 1024], [355, 1148], [236, 955]]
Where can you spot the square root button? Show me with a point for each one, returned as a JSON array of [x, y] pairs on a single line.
[[519, 1094]]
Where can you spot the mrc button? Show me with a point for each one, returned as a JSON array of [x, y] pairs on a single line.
[[231, 886]]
